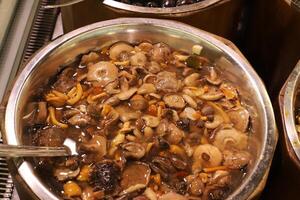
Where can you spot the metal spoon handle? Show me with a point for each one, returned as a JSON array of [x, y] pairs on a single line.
[[31, 151]]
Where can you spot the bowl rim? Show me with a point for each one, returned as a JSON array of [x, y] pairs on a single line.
[[289, 93], [163, 11], [249, 184]]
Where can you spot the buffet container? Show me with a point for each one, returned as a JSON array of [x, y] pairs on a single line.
[[46, 62], [222, 17], [289, 102]]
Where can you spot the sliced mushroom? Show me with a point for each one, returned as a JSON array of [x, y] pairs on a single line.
[[195, 185], [118, 48], [96, 145], [162, 128], [206, 155], [240, 118], [230, 138], [167, 82], [124, 95], [63, 174], [174, 101], [193, 91], [175, 134], [218, 120], [190, 101], [113, 101], [102, 72], [213, 77], [145, 46], [113, 87], [80, 120], [191, 80], [138, 102], [162, 166], [133, 150], [212, 95], [135, 176], [236, 159], [172, 196], [190, 113], [150, 78], [151, 121], [153, 67], [146, 88], [111, 118], [126, 113], [160, 52], [138, 59]]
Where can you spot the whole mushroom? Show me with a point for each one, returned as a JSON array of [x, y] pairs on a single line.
[[102, 73]]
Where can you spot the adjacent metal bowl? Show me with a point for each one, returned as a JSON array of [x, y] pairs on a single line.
[[46, 62], [288, 97]]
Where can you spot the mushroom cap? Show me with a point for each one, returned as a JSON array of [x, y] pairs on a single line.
[[102, 72], [119, 47], [207, 155], [230, 138], [134, 177]]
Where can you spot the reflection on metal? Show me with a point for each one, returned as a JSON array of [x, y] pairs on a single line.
[[289, 94]]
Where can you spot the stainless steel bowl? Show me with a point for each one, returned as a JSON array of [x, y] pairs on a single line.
[[46, 62], [288, 97]]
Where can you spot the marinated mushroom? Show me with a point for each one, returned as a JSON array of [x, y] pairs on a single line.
[[230, 138], [63, 174], [118, 48], [102, 73], [135, 176], [167, 82], [207, 155], [133, 150], [240, 118], [138, 102], [174, 101], [149, 121]]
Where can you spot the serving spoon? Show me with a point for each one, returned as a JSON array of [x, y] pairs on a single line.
[[68, 149]]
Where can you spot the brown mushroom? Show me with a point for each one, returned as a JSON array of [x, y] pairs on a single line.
[[102, 73], [80, 119], [167, 82], [236, 159], [174, 101], [153, 67], [213, 77], [138, 59], [172, 196], [118, 48], [160, 52], [230, 138], [151, 121], [124, 95], [135, 176], [146, 88], [191, 80], [175, 134], [113, 87], [133, 150], [126, 113], [63, 174], [138, 102], [95, 145], [240, 118], [212, 95], [206, 155]]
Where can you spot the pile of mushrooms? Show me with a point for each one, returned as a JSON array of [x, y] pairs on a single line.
[[152, 123]]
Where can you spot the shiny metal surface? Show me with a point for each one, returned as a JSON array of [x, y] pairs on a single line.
[[46, 62], [163, 11], [289, 94]]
